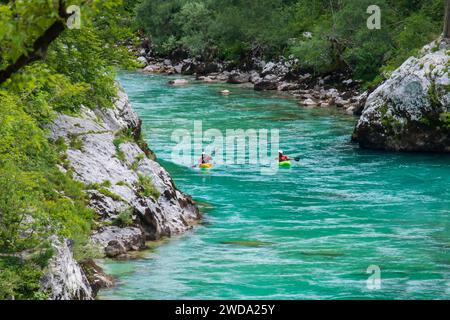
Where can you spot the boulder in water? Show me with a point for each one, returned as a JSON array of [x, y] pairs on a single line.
[[411, 110], [248, 243]]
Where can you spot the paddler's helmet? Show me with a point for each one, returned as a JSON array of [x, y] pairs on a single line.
[[280, 151]]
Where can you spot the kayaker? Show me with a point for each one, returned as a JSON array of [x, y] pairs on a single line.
[[282, 157], [204, 158]]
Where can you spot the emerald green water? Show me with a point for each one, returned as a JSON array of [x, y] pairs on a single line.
[[309, 232]]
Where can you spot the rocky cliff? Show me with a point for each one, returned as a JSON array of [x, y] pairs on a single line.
[[411, 110], [134, 198]]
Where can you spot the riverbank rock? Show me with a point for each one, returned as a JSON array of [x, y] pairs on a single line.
[[116, 241], [238, 77], [106, 153], [97, 278], [266, 85], [154, 68], [142, 60], [288, 86], [65, 279], [411, 110]]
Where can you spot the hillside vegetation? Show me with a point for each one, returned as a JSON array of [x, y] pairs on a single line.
[[38, 200], [324, 35]]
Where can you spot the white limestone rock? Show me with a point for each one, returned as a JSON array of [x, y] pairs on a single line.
[[65, 279], [408, 112]]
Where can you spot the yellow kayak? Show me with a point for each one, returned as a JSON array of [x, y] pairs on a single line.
[[205, 166]]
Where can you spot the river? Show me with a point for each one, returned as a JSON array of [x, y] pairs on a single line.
[[308, 232]]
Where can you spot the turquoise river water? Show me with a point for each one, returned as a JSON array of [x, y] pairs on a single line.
[[308, 232]]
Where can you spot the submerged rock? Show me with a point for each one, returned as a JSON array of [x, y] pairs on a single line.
[[248, 243], [411, 110], [323, 253]]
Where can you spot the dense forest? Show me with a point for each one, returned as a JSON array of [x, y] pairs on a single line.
[[47, 68], [324, 35]]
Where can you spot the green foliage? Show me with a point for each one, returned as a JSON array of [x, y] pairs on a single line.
[[96, 186], [136, 162], [84, 250], [118, 141], [19, 279], [434, 96], [445, 119], [237, 29], [123, 184], [194, 19], [37, 200], [363, 50], [75, 142], [227, 27], [147, 188], [418, 30], [124, 136], [158, 16], [83, 59], [124, 219], [315, 54], [108, 193], [103, 189]]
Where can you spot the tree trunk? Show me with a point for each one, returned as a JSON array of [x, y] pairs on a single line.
[[447, 21]]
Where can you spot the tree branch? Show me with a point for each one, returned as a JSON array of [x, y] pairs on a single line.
[[447, 21], [40, 45]]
